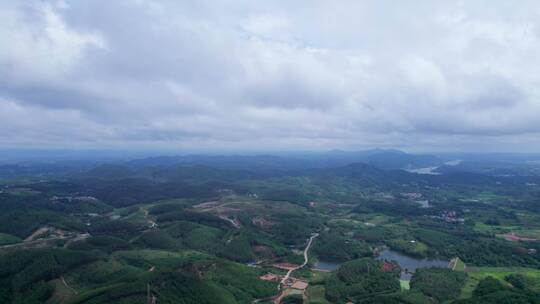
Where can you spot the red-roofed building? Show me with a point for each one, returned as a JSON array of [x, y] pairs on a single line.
[[387, 267]]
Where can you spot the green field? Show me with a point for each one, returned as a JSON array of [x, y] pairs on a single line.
[[61, 292], [405, 285], [315, 294], [318, 277], [475, 274], [457, 265], [415, 248], [502, 229], [491, 196]]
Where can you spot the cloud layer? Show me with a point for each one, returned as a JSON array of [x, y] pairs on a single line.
[[419, 75]]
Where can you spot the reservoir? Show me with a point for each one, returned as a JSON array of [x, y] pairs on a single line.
[[326, 266], [410, 264], [405, 262]]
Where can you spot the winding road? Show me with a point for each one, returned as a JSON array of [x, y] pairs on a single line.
[[313, 236], [277, 298], [67, 286]]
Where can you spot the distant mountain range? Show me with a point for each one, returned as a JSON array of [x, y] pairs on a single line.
[[384, 159]]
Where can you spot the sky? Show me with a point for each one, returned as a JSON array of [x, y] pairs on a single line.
[[270, 75]]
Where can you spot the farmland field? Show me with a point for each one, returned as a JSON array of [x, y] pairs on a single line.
[[475, 274]]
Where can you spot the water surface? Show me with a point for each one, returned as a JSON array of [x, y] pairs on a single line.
[[410, 264]]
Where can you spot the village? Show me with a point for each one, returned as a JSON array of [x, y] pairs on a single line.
[[289, 285]]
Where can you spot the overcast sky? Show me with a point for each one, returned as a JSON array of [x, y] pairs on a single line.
[[271, 75]]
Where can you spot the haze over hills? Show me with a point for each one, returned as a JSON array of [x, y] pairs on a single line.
[[491, 164]]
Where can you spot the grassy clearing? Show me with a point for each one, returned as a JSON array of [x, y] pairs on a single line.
[[490, 196], [490, 229], [318, 277], [315, 291], [315, 295], [457, 264], [475, 274], [405, 285], [415, 248], [502, 229], [61, 293]]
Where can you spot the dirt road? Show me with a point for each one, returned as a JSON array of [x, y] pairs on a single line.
[[67, 286]]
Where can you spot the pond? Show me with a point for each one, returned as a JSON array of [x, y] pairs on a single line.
[[326, 266], [410, 264]]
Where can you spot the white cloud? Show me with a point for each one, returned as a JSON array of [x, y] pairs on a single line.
[[37, 45], [416, 74]]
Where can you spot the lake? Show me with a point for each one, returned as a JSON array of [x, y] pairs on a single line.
[[433, 170], [426, 170], [410, 263], [405, 262]]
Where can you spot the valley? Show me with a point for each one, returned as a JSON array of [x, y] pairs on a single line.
[[191, 234]]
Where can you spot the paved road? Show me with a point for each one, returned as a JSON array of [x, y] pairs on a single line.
[[306, 251]]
